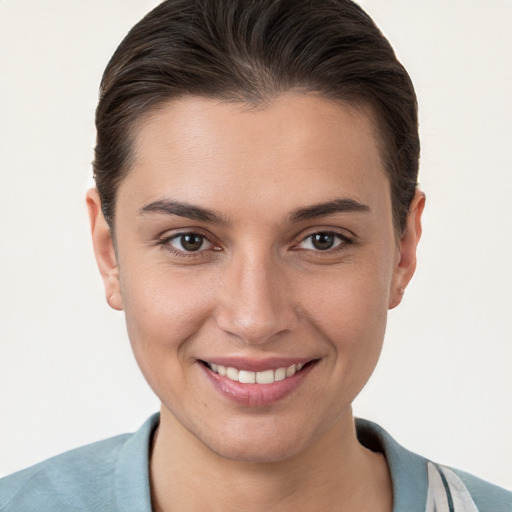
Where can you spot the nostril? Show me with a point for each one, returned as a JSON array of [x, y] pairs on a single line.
[[253, 302]]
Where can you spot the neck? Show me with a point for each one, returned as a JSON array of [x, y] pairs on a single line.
[[334, 472]]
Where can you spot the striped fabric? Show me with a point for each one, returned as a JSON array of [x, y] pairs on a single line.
[[446, 492]]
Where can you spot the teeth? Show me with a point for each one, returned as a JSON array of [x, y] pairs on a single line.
[[280, 374], [264, 377], [232, 373], [290, 371], [246, 377]]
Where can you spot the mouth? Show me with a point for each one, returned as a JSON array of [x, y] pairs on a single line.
[[257, 384], [261, 377]]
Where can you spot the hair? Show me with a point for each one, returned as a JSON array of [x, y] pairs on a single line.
[[251, 51]]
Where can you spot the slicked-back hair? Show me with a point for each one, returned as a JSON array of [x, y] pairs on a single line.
[[251, 51]]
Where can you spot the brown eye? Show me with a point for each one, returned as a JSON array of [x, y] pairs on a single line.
[[189, 242], [322, 241]]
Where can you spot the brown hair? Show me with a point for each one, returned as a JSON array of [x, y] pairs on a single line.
[[250, 51]]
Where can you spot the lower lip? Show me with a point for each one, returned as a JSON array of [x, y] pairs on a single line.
[[256, 395]]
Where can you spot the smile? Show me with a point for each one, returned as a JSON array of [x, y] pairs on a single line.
[[262, 377], [252, 383]]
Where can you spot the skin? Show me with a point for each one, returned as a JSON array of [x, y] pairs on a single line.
[[258, 288]]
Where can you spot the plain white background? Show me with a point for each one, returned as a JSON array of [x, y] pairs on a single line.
[[67, 376]]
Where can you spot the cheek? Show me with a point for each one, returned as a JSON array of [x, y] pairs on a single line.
[[354, 296], [350, 310], [353, 321], [163, 314]]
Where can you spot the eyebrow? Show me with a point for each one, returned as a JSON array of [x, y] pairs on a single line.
[[180, 209], [328, 208]]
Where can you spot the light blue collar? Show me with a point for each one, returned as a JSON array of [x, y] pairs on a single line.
[[132, 470]]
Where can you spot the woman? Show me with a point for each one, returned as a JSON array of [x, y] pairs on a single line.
[[256, 215]]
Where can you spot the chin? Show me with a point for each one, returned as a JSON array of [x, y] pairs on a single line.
[[263, 442], [251, 451]]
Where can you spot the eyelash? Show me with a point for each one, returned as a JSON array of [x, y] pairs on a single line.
[[343, 242], [166, 244]]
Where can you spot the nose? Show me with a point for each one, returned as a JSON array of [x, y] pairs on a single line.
[[255, 303]]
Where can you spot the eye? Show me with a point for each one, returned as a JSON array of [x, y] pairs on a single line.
[[322, 241], [189, 242]]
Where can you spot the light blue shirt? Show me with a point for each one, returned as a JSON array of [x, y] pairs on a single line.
[[112, 475]]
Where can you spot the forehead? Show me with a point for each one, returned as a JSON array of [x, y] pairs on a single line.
[[297, 147]]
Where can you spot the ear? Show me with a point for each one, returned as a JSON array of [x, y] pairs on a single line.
[[406, 264], [104, 250]]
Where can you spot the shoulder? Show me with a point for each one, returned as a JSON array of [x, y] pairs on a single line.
[[106, 475], [422, 485], [451, 489], [487, 496], [74, 480]]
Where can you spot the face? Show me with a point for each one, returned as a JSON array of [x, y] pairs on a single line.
[[255, 261]]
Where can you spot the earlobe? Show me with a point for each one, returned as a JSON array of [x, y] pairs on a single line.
[[406, 265], [104, 250]]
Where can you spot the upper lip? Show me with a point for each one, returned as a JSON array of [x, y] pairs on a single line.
[[257, 365]]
